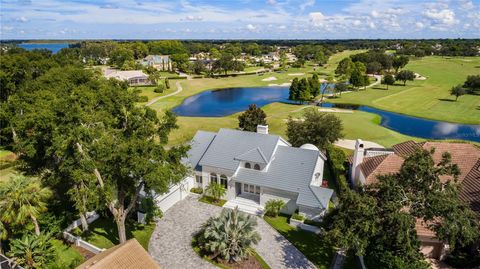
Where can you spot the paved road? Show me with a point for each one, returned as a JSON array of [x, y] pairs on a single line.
[[154, 100], [170, 244]]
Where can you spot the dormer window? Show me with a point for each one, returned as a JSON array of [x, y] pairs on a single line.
[[248, 165], [256, 166]]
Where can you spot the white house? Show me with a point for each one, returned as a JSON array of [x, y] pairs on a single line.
[[133, 77], [258, 167]]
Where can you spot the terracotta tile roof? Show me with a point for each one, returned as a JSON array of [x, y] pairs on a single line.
[[470, 191], [406, 148], [129, 255], [423, 230], [466, 156], [380, 165]]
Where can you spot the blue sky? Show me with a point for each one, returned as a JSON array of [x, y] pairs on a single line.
[[241, 19]]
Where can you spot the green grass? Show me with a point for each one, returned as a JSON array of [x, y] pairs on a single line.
[[209, 200], [104, 234], [312, 246], [67, 257], [428, 98]]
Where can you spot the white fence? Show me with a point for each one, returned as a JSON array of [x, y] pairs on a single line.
[[7, 263], [77, 240]]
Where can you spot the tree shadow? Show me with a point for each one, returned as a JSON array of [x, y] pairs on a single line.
[[446, 100]]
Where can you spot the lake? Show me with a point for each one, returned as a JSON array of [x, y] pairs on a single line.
[[219, 103], [53, 47], [419, 127], [224, 102]]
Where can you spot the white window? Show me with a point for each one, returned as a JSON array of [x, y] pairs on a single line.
[[248, 165], [256, 166], [198, 179], [224, 181], [257, 189], [213, 178]]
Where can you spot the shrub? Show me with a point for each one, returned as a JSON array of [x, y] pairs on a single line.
[[142, 99], [273, 207], [197, 190], [297, 216], [151, 209], [229, 236], [159, 89], [167, 83]]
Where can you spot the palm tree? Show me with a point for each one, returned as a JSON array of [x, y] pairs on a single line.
[[32, 251], [23, 198], [230, 236], [215, 190]]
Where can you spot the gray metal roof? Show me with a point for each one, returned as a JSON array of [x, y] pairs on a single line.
[[254, 155], [229, 144], [291, 170], [199, 145]]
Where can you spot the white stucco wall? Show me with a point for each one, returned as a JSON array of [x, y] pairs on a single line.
[[310, 212], [272, 194], [207, 170]]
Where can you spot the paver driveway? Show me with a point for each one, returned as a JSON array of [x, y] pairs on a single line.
[[170, 244]]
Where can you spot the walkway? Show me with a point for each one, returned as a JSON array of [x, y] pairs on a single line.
[[170, 244], [350, 144], [154, 100]]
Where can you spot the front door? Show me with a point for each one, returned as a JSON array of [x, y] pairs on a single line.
[[238, 188]]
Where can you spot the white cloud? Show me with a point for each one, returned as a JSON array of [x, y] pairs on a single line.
[[22, 19], [444, 16], [467, 5], [307, 3], [251, 27], [282, 27], [419, 25], [272, 2], [317, 18], [193, 18]]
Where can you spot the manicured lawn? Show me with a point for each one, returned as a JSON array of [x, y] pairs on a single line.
[[148, 91], [312, 246], [210, 200], [104, 234], [67, 257], [428, 98]]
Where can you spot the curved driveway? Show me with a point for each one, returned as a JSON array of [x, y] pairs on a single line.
[[170, 244]]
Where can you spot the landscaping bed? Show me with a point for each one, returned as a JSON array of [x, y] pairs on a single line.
[[210, 200], [253, 261]]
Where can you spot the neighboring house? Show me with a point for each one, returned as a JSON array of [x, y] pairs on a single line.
[[133, 77], [160, 62], [367, 164], [129, 255], [257, 167]]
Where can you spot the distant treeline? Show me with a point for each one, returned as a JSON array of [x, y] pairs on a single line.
[[419, 48]]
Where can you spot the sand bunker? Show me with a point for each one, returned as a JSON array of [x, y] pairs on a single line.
[[281, 85], [269, 79], [419, 77]]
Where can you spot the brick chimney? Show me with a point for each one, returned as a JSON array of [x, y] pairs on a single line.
[[358, 156], [262, 129]]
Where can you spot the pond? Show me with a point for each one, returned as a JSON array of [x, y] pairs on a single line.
[[224, 102], [419, 127], [53, 47], [219, 103]]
